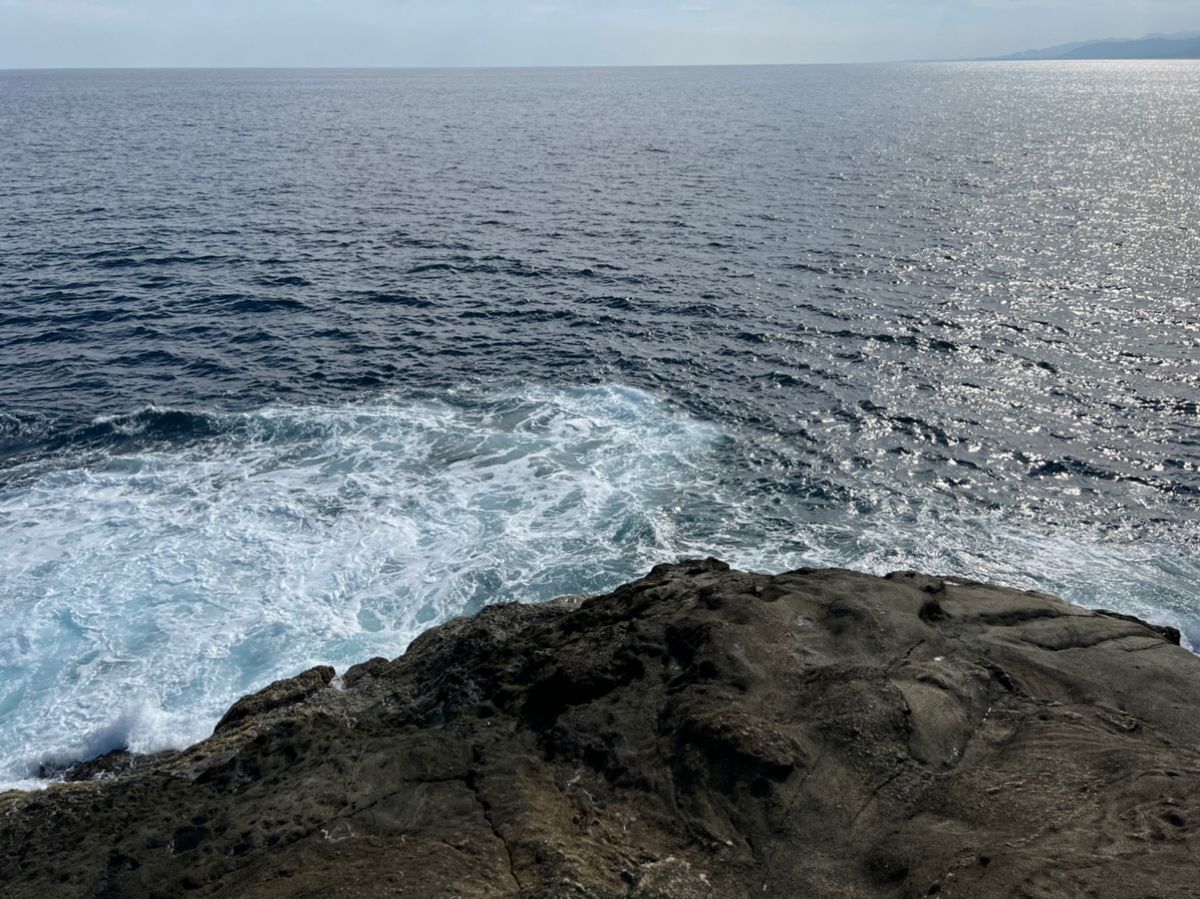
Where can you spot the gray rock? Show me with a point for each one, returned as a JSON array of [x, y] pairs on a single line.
[[699, 733]]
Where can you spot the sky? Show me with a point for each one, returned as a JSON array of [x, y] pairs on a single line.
[[95, 33]]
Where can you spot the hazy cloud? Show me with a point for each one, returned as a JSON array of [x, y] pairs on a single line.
[[72, 11], [554, 32]]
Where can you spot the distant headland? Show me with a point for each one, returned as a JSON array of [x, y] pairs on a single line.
[[1181, 45]]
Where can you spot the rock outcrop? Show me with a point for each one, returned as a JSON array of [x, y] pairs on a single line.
[[699, 734]]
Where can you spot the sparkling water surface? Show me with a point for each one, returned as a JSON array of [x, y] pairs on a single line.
[[296, 364]]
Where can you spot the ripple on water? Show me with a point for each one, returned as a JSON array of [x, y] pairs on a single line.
[[917, 316]]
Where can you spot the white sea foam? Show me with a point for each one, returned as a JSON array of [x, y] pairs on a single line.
[[1134, 574], [139, 598]]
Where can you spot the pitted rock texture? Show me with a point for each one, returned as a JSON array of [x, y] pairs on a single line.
[[699, 734]]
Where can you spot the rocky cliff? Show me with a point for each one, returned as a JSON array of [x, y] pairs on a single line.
[[699, 733]]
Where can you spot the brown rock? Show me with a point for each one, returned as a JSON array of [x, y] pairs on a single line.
[[699, 733]]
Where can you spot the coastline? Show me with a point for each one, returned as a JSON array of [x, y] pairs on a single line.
[[699, 732]]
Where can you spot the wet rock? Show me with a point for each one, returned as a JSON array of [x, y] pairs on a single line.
[[699, 733], [277, 695], [119, 761]]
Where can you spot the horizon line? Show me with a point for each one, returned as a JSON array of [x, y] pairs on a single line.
[[575, 66], [364, 68]]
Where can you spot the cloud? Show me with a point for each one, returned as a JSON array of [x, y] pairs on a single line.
[[79, 12], [553, 32]]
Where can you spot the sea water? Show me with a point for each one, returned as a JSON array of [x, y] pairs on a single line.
[[295, 365]]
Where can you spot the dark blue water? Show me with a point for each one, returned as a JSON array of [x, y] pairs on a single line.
[[296, 364]]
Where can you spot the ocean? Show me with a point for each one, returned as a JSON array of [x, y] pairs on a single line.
[[297, 364]]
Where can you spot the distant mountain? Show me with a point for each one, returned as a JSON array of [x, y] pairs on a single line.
[[1182, 45]]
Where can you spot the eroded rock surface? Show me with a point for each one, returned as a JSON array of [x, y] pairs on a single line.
[[699, 734]]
